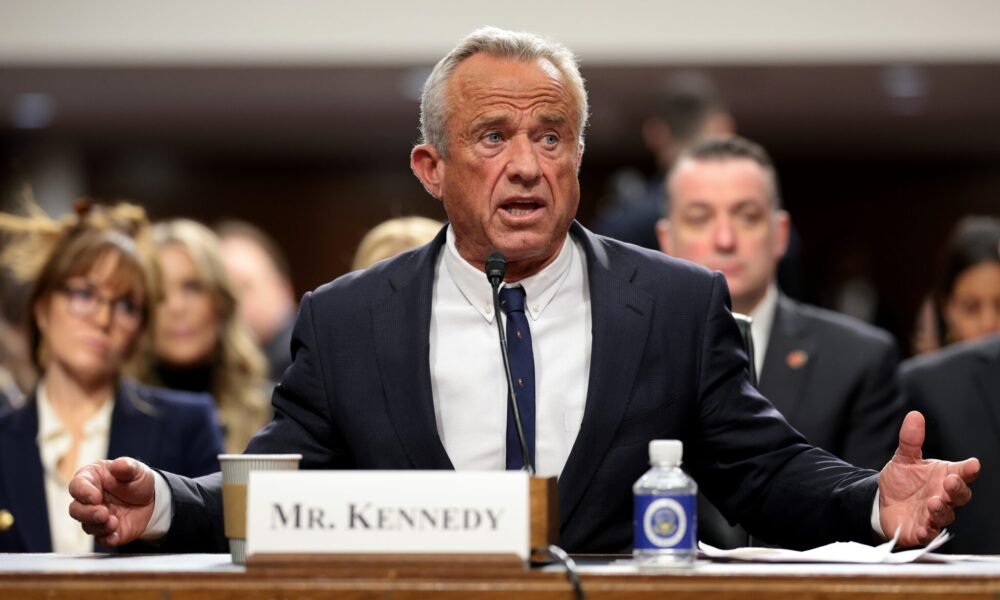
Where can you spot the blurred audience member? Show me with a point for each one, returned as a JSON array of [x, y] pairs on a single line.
[[832, 376], [965, 302], [89, 302], [263, 279], [689, 109], [199, 342], [957, 390], [389, 238], [17, 374]]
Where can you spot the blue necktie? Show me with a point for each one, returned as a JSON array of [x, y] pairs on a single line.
[[522, 370]]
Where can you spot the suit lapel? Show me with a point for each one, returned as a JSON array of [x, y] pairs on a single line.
[[620, 321], [987, 381], [784, 372], [401, 324], [133, 431], [24, 480]]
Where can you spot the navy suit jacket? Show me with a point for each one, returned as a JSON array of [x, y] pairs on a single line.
[[666, 363], [844, 397], [164, 429], [958, 391]]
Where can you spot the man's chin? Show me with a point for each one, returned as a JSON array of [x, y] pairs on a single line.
[[528, 252]]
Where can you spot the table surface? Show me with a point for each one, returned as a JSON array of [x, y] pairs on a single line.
[[201, 576]]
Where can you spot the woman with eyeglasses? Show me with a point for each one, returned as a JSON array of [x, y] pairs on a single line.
[[92, 287]]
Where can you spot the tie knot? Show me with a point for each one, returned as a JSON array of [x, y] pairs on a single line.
[[512, 299]]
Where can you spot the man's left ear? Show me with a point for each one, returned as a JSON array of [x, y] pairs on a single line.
[[579, 155], [428, 166], [663, 235], [782, 227]]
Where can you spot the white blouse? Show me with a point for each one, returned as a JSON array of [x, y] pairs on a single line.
[[55, 442]]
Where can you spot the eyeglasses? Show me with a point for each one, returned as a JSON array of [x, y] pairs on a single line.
[[85, 301]]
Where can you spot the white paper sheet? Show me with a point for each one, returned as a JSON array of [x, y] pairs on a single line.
[[837, 552]]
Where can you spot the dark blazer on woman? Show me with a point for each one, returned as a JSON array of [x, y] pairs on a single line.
[[958, 390], [165, 429]]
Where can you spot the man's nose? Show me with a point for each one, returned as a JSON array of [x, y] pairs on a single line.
[[523, 165], [725, 235]]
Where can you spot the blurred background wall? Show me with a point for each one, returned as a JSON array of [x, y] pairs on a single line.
[[883, 115]]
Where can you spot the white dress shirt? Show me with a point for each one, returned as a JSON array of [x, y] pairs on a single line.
[[760, 327], [467, 376], [54, 442]]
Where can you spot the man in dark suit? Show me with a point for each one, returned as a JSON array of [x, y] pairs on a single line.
[[395, 366], [830, 375], [958, 388]]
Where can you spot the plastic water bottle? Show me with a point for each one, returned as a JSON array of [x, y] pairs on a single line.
[[665, 519]]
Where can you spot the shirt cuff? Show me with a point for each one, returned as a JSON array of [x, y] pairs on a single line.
[[163, 510], [877, 520]]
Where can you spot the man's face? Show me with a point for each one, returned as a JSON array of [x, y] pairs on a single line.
[[721, 216], [265, 296], [508, 181]]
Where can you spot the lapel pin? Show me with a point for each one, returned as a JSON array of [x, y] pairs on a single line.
[[797, 359]]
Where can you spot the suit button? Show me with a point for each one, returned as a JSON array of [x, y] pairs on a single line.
[[6, 520]]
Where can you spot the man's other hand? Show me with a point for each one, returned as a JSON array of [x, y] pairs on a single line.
[[917, 495], [113, 500]]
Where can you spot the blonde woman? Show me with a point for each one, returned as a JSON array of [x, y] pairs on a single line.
[[199, 342], [389, 238], [92, 287]]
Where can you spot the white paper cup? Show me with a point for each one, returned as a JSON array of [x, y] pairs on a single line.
[[236, 470]]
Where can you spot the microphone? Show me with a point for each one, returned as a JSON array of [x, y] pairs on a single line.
[[496, 268]]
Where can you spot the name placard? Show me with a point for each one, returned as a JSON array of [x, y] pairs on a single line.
[[436, 512]]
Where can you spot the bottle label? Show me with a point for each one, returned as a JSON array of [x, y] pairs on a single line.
[[665, 521]]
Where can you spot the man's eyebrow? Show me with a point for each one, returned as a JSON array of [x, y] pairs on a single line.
[[490, 122], [552, 118], [698, 204], [746, 203]]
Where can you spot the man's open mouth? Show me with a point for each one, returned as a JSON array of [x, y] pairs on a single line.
[[520, 208]]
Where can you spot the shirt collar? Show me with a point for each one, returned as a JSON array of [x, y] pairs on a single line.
[[760, 327], [51, 426], [539, 289]]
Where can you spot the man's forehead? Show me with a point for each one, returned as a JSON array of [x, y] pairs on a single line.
[[243, 249], [725, 184], [487, 88], [736, 173], [487, 74]]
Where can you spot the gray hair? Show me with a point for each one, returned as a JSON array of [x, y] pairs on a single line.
[[729, 148], [515, 45]]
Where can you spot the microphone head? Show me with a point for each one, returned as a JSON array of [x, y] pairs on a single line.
[[496, 268]]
